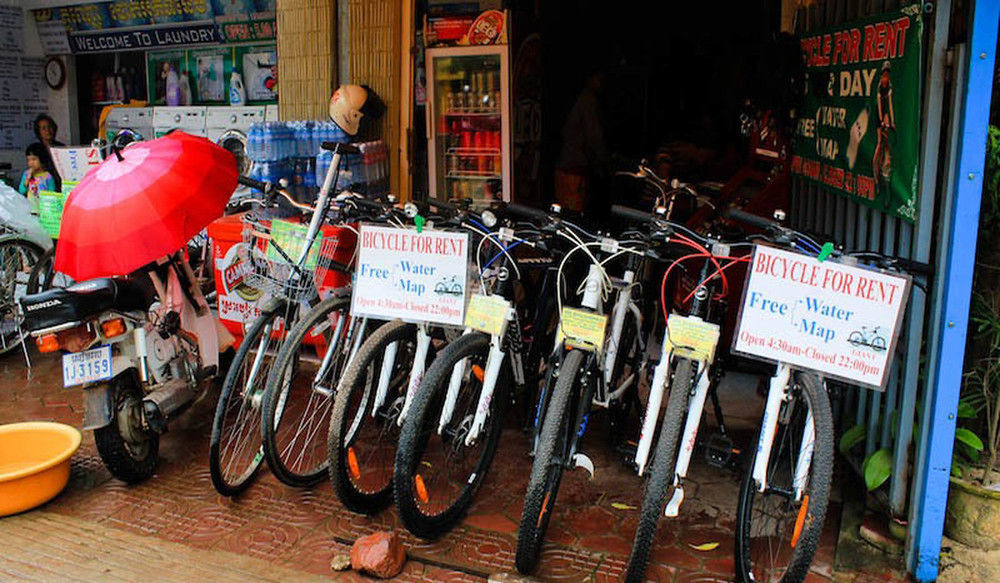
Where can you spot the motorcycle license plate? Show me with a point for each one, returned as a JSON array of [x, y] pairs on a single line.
[[87, 367]]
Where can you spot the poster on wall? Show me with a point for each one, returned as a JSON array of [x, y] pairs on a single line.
[[259, 66], [168, 80], [858, 131], [211, 68]]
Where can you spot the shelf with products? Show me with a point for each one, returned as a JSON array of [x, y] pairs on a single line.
[[472, 176], [472, 113], [473, 152]]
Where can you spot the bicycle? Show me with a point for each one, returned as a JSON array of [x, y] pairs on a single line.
[[586, 370], [375, 396], [449, 439], [784, 494], [236, 451]]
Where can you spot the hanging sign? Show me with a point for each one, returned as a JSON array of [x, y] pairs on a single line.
[[838, 320], [417, 277], [858, 130], [134, 40]]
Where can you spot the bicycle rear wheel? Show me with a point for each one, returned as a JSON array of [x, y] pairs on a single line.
[[299, 395], [551, 458], [437, 473], [363, 434], [777, 534], [235, 451]]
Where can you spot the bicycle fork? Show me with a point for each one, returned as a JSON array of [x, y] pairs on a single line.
[[778, 393]]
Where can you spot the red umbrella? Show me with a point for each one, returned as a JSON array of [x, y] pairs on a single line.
[[145, 204]]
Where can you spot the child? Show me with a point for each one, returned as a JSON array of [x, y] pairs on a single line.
[[38, 176]]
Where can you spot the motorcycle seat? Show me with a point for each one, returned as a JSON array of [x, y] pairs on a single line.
[[84, 300]]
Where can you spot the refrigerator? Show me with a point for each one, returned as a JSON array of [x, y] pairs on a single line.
[[468, 123]]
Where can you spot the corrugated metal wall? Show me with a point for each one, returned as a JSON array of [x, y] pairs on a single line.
[[857, 227]]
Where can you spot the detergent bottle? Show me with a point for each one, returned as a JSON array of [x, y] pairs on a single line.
[[237, 93]]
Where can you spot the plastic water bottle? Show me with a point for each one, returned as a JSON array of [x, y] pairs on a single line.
[[323, 161]]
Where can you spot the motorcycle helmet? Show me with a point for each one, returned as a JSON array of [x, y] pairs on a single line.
[[350, 103]]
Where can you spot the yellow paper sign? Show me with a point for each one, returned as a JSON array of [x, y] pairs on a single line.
[[582, 329], [487, 314], [693, 337]]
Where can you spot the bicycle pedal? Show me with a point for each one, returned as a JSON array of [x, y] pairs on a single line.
[[719, 450], [674, 506], [581, 460], [627, 450]]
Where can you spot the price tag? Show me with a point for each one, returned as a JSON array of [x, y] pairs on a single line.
[[291, 239], [487, 314], [693, 337], [582, 329]]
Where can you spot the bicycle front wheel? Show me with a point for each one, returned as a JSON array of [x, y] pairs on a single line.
[[234, 453], [17, 257], [364, 429], [299, 395], [551, 459], [439, 469], [660, 475], [777, 530]]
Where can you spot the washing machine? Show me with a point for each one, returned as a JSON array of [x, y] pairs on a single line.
[[228, 127], [136, 119], [190, 119]]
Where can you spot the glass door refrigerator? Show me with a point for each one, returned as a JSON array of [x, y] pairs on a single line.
[[468, 123]]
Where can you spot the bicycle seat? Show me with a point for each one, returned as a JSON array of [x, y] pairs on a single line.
[[86, 299]]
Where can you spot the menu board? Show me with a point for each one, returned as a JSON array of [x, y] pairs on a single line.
[[23, 92]]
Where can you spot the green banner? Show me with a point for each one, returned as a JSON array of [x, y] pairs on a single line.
[[858, 131]]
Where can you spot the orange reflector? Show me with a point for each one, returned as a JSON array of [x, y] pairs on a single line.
[[113, 328], [541, 513], [418, 481], [352, 462], [478, 371], [47, 343], [800, 520]]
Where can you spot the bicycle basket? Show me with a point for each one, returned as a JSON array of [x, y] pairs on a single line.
[[272, 249]]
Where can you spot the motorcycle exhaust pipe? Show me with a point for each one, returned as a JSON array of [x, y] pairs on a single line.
[[166, 402]]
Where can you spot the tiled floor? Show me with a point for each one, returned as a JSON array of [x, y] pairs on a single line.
[[589, 538]]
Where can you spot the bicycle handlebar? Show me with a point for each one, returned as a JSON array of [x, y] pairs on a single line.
[[340, 147], [265, 187], [527, 212], [632, 214], [752, 220]]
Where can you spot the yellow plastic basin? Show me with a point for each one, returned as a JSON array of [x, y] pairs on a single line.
[[34, 463]]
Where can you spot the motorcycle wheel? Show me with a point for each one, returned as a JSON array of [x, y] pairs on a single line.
[[130, 460]]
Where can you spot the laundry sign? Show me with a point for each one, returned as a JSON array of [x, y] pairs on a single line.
[[410, 275], [839, 320]]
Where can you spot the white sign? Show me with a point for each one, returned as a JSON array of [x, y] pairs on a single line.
[[838, 320], [74, 163], [417, 277], [52, 34]]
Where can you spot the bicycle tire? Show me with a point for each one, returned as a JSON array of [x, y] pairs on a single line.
[[17, 257], [421, 424], [226, 482], [299, 459], [817, 490], [548, 466], [344, 466], [40, 278], [660, 477]]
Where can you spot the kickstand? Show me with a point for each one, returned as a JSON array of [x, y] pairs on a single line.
[[24, 349]]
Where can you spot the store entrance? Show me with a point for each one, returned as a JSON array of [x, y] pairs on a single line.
[[671, 81]]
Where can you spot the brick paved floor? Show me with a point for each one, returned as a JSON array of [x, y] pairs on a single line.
[[589, 539]]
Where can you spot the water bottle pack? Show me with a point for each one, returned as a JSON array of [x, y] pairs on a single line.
[[292, 150]]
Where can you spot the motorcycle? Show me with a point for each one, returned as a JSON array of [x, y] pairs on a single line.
[[139, 347]]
